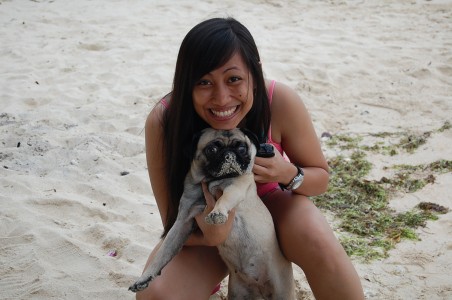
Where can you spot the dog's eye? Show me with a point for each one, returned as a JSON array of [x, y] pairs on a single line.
[[211, 150], [242, 149]]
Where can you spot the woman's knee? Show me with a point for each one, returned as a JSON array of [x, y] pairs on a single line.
[[186, 275], [152, 292], [166, 290], [303, 231]]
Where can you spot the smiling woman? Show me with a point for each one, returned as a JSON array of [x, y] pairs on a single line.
[[219, 83], [223, 97]]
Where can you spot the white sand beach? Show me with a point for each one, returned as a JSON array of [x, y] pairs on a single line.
[[78, 79]]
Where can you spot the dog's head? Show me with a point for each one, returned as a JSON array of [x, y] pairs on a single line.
[[225, 153]]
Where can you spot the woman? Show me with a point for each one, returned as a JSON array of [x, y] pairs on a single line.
[[219, 82]]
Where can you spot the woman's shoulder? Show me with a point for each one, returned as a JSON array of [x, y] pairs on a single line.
[[287, 109], [284, 98], [154, 119]]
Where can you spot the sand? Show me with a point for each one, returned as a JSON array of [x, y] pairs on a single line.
[[79, 77]]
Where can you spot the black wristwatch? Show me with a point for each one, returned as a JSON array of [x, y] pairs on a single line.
[[295, 182]]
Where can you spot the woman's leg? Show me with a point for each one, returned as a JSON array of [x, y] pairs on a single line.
[[307, 240], [192, 274]]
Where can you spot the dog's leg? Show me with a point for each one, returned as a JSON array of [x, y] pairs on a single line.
[[173, 242], [236, 288], [240, 289], [232, 196]]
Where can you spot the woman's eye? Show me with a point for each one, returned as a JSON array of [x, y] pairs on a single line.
[[234, 79], [203, 82]]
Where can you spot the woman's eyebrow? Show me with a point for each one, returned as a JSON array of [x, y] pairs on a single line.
[[228, 69], [231, 68]]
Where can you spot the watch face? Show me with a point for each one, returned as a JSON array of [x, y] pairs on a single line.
[[298, 180], [297, 183]]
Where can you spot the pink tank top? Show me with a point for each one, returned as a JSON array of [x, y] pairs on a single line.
[[264, 189]]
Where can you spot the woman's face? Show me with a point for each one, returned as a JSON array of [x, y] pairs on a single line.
[[224, 96]]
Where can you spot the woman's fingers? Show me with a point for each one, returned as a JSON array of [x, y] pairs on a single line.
[[210, 200]]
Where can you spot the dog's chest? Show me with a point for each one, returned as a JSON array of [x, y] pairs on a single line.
[[245, 252]]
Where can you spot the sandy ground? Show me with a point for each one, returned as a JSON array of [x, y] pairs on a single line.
[[79, 77]]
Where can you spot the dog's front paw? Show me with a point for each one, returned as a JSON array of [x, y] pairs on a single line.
[[216, 218], [139, 285]]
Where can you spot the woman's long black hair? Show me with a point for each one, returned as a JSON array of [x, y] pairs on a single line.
[[207, 46]]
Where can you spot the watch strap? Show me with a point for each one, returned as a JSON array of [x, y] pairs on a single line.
[[298, 177]]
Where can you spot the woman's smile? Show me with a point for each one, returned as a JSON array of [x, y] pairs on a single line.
[[224, 114]]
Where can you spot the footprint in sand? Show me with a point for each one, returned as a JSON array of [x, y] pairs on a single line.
[[20, 271]]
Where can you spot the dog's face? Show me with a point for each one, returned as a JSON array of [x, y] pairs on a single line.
[[225, 153]]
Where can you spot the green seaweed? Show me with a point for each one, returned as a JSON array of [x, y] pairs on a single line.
[[368, 226]]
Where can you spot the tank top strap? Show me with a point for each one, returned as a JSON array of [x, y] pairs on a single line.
[[164, 103], [270, 99], [270, 91]]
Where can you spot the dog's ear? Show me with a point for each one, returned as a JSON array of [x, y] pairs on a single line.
[[189, 151], [253, 138], [194, 144]]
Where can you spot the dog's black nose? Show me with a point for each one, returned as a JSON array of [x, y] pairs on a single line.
[[229, 156]]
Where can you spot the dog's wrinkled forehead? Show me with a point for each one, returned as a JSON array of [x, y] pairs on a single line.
[[227, 136], [224, 136], [226, 133]]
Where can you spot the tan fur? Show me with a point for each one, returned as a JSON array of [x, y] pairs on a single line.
[[257, 268]]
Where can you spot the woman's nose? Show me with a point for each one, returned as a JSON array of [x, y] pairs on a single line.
[[221, 94]]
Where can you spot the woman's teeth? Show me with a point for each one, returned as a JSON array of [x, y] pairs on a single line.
[[224, 114]]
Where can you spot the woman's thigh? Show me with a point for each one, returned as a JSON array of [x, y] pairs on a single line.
[[301, 228], [192, 274], [307, 240]]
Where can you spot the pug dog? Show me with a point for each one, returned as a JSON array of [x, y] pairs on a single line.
[[257, 269]]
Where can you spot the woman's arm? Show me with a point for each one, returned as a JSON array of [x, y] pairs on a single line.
[[210, 234], [155, 158], [293, 128]]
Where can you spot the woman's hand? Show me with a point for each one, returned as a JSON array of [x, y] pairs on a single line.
[[211, 234], [273, 169]]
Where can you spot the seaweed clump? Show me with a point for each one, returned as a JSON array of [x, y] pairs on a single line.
[[369, 227]]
